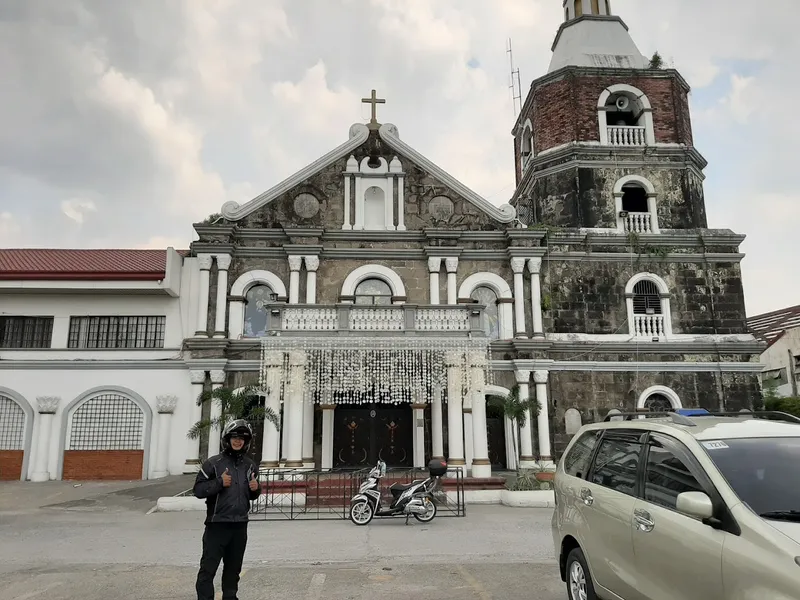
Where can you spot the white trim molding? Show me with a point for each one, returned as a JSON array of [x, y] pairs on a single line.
[[69, 411], [634, 94], [502, 289], [27, 432], [251, 278], [363, 272], [668, 393], [649, 327], [234, 212]]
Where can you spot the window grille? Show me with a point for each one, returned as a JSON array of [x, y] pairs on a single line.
[[12, 424], [107, 422], [646, 298], [26, 332], [116, 332], [373, 291], [658, 403]]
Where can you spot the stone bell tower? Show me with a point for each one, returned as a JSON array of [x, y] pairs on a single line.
[[604, 139]]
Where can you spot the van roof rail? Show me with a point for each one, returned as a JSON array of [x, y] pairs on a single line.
[[629, 416], [682, 416]]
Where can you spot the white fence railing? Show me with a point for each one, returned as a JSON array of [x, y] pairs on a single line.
[[621, 135]]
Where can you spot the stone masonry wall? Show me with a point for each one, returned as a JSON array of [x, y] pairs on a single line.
[[589, 297], [584, 197], [564, 109]]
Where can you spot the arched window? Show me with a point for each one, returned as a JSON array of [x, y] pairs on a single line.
[[625, 117], [526, 145], [648, 307], [487, 297], [373, 291], [256, 313], [658, 403], [635, 201], [658, 398]]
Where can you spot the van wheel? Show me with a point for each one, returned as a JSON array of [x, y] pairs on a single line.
[[579, 581]]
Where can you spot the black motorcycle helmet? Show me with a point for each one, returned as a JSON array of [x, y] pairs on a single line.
[[240, 428]]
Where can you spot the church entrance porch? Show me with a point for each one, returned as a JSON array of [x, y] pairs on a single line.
[[366, 433]]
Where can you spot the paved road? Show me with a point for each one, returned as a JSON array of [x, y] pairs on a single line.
[[103, 546]]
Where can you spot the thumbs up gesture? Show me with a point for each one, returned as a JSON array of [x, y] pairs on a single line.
[[226, 479], [253, 482]]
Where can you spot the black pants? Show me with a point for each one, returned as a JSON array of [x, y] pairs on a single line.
[[225, 542]]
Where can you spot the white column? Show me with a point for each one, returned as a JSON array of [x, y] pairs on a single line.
[[543, 423], [204, 260], [437, 439], [236, 318], [308, 434], [401, 225], [419, 435], [468, 438], [47, 407], [526, 439], [518, 266], [434, 265], [165, 406], [347, 181], [451, 264], [312, 264], [214, 433], [481, 467], [327, 436], [295, 262], [455, 418], [193, 461], [271, 441], [223, 264], [535, 267], [293, 406]]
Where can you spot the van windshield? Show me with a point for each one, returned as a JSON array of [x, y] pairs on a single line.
[[764, 473]]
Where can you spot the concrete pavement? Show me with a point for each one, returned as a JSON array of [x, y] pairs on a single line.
[[106, 546]]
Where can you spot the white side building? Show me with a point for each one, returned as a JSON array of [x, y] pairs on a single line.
[[780, 329]]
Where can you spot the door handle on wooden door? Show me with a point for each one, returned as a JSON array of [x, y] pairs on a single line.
[[644, 522]]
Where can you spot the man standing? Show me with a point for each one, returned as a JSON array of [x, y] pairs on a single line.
[[228, 483]]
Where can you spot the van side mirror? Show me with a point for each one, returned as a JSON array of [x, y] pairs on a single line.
[[695, 504]]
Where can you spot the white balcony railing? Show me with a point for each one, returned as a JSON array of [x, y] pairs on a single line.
[[649, 325], [622, 135], [358, 318], [638, 222]]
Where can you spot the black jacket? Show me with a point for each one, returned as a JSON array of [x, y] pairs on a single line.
[[226, 504]]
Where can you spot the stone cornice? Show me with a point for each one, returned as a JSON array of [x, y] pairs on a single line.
[[593, 155], [648, 347], [92, 365], [203, 229], [627, 366], [671, 257]]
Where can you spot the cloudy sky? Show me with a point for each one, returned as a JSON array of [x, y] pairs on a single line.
[[121, 123]]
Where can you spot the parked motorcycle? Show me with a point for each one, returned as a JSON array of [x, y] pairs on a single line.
[[415, 498]]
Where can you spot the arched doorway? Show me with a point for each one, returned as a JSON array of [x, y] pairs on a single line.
[[106, 437]]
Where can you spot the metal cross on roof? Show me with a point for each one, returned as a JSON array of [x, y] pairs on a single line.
[[374, 100]]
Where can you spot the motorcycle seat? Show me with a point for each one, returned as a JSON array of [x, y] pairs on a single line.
[[399, 488]]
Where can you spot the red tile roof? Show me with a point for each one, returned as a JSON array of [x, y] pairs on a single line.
[[769, 327], [113, 264]]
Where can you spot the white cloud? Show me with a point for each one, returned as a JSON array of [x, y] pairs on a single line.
[[75, 208]]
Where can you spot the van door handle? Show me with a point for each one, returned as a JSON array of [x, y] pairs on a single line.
[[586, 496], [644, 522]]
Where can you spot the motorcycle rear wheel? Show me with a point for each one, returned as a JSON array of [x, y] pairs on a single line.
[[361, 512], [430, 512]]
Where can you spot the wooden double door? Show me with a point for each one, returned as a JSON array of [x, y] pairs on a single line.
[[364, 433]]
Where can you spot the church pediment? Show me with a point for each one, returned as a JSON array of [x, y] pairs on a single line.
[[377, 189]]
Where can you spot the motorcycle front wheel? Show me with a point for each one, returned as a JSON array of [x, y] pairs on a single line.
[[361, 512], [430, 511]]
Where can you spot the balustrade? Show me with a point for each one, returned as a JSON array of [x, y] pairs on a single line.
[[622, 135], [649, 325], [638, 222]]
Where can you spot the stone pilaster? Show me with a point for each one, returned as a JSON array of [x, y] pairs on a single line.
[[543, 424], [455, 417], [451, 264], [47, 407], [192, 464], [481, 467], [327, 436], [535, 267], [223, 264], [214, 433], [204, 261], [295, 262], [419, 434], [437, 436], [312, 264], [518, 266], [293, 408], [271, 441], [525, 432], [165, 405], [434, 266]]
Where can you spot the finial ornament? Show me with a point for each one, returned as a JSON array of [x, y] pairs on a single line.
[[374, 101]]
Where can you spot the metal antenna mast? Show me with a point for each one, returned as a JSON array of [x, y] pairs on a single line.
[[515, 87]]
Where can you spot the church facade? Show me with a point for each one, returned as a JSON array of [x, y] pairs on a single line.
[[376, 302]]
